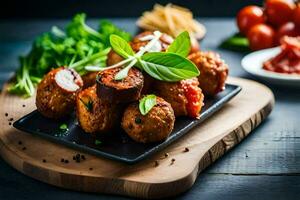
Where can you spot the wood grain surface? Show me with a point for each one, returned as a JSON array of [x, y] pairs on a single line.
[[41, 159]]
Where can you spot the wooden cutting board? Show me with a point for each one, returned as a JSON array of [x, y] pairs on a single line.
[[41, 159]]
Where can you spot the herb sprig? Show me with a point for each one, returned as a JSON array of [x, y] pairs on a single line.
[[168, 66], [147, 103]]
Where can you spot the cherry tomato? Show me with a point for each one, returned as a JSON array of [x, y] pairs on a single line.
[[288, 29], [248, 17], [261, 36], [279, 12], [297, 16]]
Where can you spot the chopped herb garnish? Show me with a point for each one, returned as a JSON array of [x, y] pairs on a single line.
[[88, 105], [98, 142], [147, 103], [138, 120], [63, 127]]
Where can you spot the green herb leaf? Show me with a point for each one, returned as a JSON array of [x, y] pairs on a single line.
[[88, 105], [236, 42], [63, 127], [169, 67], [121, 46], [181, 45], [98, 142], [147, 103]]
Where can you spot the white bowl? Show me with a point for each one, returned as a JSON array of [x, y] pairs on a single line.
[[253, 64]]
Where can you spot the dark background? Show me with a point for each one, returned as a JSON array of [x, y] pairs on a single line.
[[114, 8]]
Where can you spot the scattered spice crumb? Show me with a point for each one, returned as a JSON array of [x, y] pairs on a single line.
[[20, 142], [23, 105], [166, 155], [24, 148], [186, 149], [156, 163], [91, 169], [11, 119], [6, 114], [9, 123], [62, 160], [66, 161], [44, 160], [172, 161], [82, 157]]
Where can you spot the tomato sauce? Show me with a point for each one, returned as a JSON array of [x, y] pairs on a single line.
[[195, 98], [288, 60]]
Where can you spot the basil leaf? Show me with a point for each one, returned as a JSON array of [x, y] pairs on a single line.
[[168, 66], [147, 103], [181, 45], [120, 46]]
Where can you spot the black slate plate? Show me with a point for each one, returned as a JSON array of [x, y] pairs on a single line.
[[117, 145]]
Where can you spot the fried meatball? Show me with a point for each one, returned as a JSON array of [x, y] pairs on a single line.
[[119, 91], [213, 71], [155, 126], [113, 58], [185, 96], [94, 115], [89, 79], [141, 40], [56, 93]]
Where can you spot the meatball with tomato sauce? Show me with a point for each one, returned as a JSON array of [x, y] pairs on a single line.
[[185, 96], [155, 126], [56, 93], [213, 71], [95, 115]]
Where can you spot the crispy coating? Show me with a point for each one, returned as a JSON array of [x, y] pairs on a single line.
[[213, 71], [94, 115], [185, 96], [52, 100], [89, 79], [155, 126]]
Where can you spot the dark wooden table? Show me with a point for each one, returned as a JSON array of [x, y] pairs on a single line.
[[264, 166]]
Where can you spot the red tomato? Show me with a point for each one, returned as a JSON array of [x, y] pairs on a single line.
[[248, 17], [279, 12], [297, 16], [261, 36], [288, 29]]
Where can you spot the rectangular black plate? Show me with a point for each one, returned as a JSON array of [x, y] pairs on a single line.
[[117, 145]]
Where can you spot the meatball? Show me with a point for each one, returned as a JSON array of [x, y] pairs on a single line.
[[185, 96], [119, 91], [213, 71], [113, 58], [56, 93], [89, 79], [94, 115], [141, 40], [155, 126]]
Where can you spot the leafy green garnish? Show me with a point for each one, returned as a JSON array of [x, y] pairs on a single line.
[[168, 66], [236, 42], [63, 127], [98, 142], [147, 103], [76, 47], [164, 66], [181, 45], [121, 46], [88, 105]]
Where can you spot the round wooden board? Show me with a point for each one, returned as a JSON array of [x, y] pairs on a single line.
[[206, 143]]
